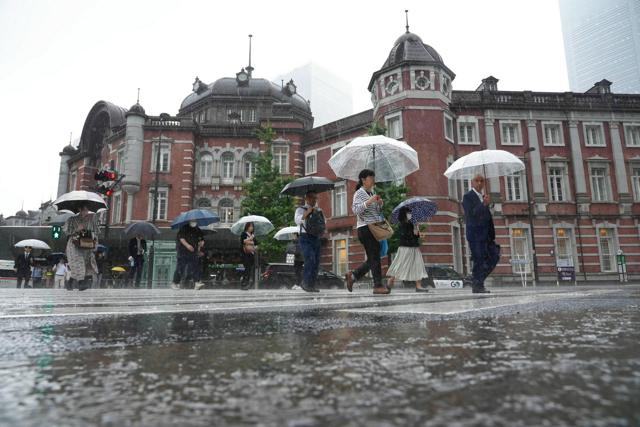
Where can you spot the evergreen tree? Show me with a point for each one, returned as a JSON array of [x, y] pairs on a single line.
[[262, 197]]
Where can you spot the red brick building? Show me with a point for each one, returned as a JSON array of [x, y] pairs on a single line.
[[582, 153]]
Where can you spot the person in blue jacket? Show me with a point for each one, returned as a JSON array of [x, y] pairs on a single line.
[[481, 234]]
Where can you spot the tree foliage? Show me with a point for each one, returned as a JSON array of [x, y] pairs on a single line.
[[392, 194], [262, 197]]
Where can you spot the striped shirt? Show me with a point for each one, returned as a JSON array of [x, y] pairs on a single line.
[[365, 214]]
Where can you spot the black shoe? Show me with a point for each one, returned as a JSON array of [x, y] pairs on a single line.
[[245, 286], [422, 290], [308, 288], [480, 291]]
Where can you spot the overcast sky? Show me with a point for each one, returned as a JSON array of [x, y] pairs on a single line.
[[58, 58]]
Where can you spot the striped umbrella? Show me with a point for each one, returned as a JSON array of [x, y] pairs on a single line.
[[422, 209]]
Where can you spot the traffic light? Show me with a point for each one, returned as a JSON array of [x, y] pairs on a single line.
[[107, 180], [56, 232], [106, 175]]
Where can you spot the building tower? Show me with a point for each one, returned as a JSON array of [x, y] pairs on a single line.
[[134, 144]]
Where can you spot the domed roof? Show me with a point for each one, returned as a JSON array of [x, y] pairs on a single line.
[[68, 149], [136, 109], [409, 47], [229, 87], [22, 214]]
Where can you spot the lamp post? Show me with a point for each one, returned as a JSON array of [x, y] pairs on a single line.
[[530, 212]]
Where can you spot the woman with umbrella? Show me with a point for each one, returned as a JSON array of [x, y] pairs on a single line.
[[368, 209], [249, 247], [408, 264], [82, 230]]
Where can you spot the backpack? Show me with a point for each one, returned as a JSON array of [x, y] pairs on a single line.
[[315, 225]]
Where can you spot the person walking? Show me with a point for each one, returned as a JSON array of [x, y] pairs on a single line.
[[189, 241], [36, 275], [367, 206], [408, 264], [22, 267], [480, 233], [294, 249], [137, 249], [82, 230], [249, 247], [61, 269], [310, 219]]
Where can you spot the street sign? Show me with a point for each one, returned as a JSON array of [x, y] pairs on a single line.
[[566, 273]]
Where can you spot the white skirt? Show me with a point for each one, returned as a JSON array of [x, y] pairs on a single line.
[[407, 265]]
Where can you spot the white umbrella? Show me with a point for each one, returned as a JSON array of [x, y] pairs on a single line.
[[390, 159], [73, 200], [261, 225], [287, 233], [33, 243], [488, 163]]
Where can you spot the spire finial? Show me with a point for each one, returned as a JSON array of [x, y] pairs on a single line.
[[406, 13], [70, 137], [138, 100], [250, 68]]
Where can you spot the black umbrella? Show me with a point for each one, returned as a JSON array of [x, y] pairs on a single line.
[[146, 229], [74, 200], [301, 186]]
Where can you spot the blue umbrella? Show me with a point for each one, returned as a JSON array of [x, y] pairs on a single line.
[[201, 216], [422, 209]]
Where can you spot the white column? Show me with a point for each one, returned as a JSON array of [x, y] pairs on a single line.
[[536, 164], [494, 183], [576, 160], [618, 159], [129, 207]]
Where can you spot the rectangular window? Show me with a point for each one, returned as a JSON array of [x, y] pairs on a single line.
[[557, 183], [310, 166], [514, 187], [511, 134], [116, 208], [520, 254], [226, 214], [552, 134], [163, 195], [120, 159], [607, 251], [452, 183], [281, 158], [340, 199], [73, 181], [635, 182], [593, 135], [248, 115], [600, 184], [564, 247], [394, 126], [165, 157], [632, 135], [448, 128], [340, 258], [227, 166], [467, 133]]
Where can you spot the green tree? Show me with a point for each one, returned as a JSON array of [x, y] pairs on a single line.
[[392, 194], [376, 129], [262, 197]]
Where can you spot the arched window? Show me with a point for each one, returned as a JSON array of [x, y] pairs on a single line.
[[204, 203], [225, 208], [227, 165], [206, 166], [249, 165]]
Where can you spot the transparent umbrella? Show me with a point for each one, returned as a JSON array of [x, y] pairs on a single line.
[[488, 163], [261, 225], [286, 233], [390, 159], [33, 243]]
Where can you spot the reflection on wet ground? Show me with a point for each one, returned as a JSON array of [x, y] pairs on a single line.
[[567, 363]]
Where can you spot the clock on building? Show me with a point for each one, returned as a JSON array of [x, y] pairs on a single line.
[[242, 77]]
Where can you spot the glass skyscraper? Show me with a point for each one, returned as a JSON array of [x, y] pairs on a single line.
[[602, 41]]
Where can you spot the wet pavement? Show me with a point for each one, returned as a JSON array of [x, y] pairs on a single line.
[[518, 357]]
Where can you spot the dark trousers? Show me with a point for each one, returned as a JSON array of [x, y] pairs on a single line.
[[485, 256], [186, 269], [310, 246], [23, 276], [136, 270], [297, 268], [372, 249], [248, 261]]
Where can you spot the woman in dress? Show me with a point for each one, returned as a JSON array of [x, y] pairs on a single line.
[[249, 247], [367, 207], [82, 227], [408, 264]]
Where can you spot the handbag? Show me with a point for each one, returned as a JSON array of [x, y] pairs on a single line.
[[381, 230], [85, 242]]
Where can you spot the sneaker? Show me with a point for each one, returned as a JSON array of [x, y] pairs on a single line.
[[175, 287], [296, 288], [198, 285]]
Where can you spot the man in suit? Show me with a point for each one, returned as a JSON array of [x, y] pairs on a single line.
[[481, 234], [137, 249], [22, 267]]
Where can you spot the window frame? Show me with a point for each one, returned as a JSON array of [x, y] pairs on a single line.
[[161, 190], [607, 182], [545, 142], [223, 209], [165, 148], [613, 248], [286, 157], [564, 181], [334, 193], [116, 208], [394, 117], [231, 159], [628, 128], [468, 121], [449, 131], [313, 154], [517, 134], [635, 180], [521, 187], [201, 167], [585, 128]]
